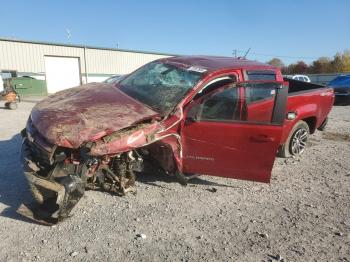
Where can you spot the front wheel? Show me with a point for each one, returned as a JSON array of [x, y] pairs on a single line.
[[296, 142]]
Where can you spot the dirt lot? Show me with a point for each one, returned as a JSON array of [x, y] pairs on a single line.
[[303, 215]]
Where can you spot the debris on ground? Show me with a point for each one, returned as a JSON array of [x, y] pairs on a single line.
[[212, 189], [141, 236]]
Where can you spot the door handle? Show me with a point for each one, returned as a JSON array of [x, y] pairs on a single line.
[[262, 138]]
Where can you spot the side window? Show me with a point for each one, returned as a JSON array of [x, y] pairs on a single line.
[[261, 75], [258, 92], [225, 103], [259, 101], [222, 105]]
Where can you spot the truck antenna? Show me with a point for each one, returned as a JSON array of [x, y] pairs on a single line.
[[246, 53]]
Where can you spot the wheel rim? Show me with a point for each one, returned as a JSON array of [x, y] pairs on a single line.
[[299, 141]]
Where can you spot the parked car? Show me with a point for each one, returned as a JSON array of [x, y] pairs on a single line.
[[183, 115], [341, 85], [303, 78]]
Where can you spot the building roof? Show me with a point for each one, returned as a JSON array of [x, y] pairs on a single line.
[[84, 46], [210, 63], [213, 63]]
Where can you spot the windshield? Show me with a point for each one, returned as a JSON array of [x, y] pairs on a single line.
[[113, 79], [160, 86]]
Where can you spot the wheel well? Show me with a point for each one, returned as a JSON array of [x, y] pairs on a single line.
[[311, 122]]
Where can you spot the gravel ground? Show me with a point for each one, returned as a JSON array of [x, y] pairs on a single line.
[[303, 215]]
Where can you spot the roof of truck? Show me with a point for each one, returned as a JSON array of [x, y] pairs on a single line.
[[213, 63]]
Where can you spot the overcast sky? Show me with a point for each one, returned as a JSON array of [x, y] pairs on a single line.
[[293, 30]]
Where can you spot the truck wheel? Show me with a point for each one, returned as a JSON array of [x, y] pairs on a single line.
[[12, 105], [324, 124], [296, 142]]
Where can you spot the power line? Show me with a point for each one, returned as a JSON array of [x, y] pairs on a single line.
[[280, 56]]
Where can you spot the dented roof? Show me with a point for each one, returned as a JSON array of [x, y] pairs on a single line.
[[213, 63]]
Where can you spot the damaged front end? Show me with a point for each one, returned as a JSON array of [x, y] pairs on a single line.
[[58, 177], [97, 136]]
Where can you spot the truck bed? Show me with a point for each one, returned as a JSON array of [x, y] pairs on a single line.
[[310, 102], [300, 86]]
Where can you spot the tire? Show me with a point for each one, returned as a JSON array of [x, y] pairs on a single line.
[[181, 178], [324, 125], [12, 105], [296, 142]]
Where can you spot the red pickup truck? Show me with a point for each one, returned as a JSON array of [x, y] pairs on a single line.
[[183, 115]]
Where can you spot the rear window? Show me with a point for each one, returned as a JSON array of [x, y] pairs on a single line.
[[263, 75]]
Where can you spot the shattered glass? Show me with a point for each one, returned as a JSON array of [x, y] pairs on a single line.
[[160, 86]]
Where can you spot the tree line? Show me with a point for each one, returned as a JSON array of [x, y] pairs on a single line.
[[340, 63]]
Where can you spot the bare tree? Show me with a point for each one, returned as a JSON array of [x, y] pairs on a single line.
[[276, 62]]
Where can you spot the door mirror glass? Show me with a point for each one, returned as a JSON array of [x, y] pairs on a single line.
[[192, 114]]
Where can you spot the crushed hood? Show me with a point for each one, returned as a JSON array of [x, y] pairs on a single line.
[[86, 113]]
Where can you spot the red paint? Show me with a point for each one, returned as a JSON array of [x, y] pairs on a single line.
[[312, 104], [230, 149], [243, 150], [87, 113]]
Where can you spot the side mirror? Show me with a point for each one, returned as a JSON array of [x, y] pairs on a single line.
[[192, 114], [190, 120]]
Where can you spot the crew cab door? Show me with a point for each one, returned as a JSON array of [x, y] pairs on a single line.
[[234, 131]]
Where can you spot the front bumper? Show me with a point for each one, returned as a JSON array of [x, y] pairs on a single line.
[[54, 198]]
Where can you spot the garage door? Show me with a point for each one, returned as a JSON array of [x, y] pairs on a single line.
[[61, 73]]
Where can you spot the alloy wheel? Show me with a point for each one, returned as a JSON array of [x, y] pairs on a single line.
[[299, 141]]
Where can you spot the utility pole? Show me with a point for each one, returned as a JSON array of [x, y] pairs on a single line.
[[234, 53], [69, 35]]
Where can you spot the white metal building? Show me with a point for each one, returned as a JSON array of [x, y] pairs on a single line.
[[64, 66]]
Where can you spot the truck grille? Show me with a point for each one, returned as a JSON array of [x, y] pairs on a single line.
[[40, 154], [41, 150]]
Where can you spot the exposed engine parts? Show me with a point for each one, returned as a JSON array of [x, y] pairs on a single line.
[[114, 174], [70, 174]]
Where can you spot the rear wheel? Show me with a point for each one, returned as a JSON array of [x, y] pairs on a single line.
[[296, 142], [11, 105], [324, 124]]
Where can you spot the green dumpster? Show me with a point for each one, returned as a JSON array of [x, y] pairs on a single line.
[[29, 86]]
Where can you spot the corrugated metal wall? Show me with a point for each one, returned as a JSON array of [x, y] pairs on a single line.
[[116, 62], [29, 57]]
